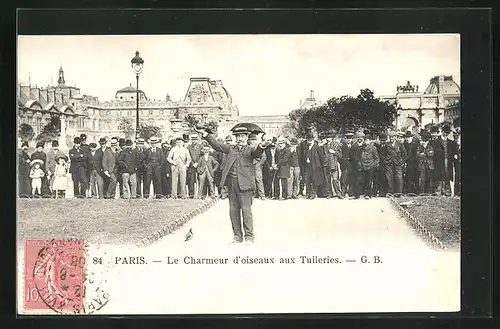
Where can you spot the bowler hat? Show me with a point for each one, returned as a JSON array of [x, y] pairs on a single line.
[[77, 140], [40, 144], [179, 139], [24, 144], [425, 136], [434, 129], [310, 138], [55, 143], [294, 141], [83, 137], [128, 142], [241, 131], [92, 145], [400, 134], [446, 128], [140, 141], [349, 134], [102, 140], [121, 142], [281, 140], [205, 148], [408, 134]]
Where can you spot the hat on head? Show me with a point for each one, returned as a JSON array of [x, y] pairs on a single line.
[[294, 141], [446, 128], [140, 141], [121, 142], [194, 136], [434, 129], [360, 134], [92, 145], [368, 136], [40, 161], [400, 134], [456, 131], [153, 140], [55, 143], [205, 148], [102, 140], [40, 144], [349, 134], [24, 144], [366, 132], [241, 131], [252, 137], [229, 138], [128, 142], [281, 140], [61, 156], [408, 134], [77, 140], [425, 136], [179, 139], [382, 136], [113, 142], [83, 137], [309, 138]]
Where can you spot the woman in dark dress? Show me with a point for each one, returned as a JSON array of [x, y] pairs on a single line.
[[24, 171]]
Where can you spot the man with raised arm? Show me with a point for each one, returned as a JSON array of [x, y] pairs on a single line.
[[239, 175]]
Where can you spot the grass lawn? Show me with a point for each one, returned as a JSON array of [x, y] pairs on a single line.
[[440, 215], [116, 221]]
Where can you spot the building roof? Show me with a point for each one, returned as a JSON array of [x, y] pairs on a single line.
[[450, 87]]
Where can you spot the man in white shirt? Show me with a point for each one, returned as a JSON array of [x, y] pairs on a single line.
[[180, 159]]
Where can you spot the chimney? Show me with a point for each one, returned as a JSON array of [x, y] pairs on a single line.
[[51, 98]]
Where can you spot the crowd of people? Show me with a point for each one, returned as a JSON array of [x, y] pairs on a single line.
[[331, 165]]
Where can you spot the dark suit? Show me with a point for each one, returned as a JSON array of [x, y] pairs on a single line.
[[166, 180], [314, 175], [271, 181], [444, 157], [239, 162], [156, 162], [282, 160], [301, 148], [143, 174], [410, 173], [24, 174], [95, 173], [346, 178], [78, 170], [192, 176]]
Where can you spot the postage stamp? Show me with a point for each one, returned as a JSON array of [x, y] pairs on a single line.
[[56, 278]]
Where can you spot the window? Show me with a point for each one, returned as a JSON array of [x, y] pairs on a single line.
[[119, 113], [108, 112], [161, 112], [121, 97]]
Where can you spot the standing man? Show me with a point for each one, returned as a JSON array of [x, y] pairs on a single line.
[[333, 156], [425, 163], [457, 163], [346, 182], [445, 151], [229, 140], [301, 152], [294, 180], [166, 180], [127, 164], [411, 144], [51, 163], [105, 178], [192, 175], [95, 171], [314, 176], [85, 147], [206, 167], [272, 168], [121, 146], [238, 171], [394, 162], [180, 159], [282, 162], [110, 167], [382, 148], [24, 171], [258, 163], [78, 169], [156, 161], [143, 173], [368, 166]]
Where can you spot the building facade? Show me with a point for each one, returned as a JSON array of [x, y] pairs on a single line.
[[205, 99], [309, 102], [270, 124], [438, 103]]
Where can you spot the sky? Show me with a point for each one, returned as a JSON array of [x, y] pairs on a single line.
[[265, 74]]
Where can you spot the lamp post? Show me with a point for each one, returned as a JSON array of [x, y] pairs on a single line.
[[137, 65]]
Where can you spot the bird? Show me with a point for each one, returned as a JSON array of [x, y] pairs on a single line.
[[189, 235], [381, 210]]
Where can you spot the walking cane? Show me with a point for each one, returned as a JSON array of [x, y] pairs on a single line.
[[272, 184]]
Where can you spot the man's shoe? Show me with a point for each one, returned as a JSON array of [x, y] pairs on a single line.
[[249, 242], [263, 198], [367, 197], [235, 241]]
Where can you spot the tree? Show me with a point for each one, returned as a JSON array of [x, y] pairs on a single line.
[[147, 131], [346, 112], [50, 131], [126, 127], [26, 132]]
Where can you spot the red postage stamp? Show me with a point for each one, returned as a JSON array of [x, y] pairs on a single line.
[[54, 275]]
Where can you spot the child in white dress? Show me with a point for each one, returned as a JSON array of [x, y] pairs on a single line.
[[36, 174], [60, 177]]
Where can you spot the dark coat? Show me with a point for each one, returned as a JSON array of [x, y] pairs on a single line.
[[78, 158], [369, 158], [301, 150], [333, 155], [141, 158], [411, 154], [95, 161], [424, 157], [162, 157], [109, 160], [396, 154], [211, 164], [246, 175], [345, 159], [283, 162], [126, 161], [40, 156], [355, 156], [316, 162], [444, 168], [269, 158], [24, 173]]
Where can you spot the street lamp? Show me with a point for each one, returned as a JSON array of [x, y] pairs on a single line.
[[137, 65]]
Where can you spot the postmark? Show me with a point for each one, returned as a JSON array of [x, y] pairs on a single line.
[[57, 280]]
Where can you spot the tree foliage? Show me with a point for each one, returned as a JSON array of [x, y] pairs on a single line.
[[126, 127], [346, 113], [147, 131], [26, 132], [50, 131]]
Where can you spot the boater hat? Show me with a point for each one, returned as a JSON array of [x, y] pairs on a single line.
[[241, 131], [205, 149], [36, 161], [252, 137], [140, 141], [61, 156], [153, 140]]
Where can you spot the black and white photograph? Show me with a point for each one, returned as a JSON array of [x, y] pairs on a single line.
[[238, 173]]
